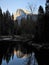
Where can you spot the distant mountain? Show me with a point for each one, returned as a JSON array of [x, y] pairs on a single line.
[[21, 13]]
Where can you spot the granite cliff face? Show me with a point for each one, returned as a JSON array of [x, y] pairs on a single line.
[[21, 13]]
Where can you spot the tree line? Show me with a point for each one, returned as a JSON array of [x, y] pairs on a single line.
[[9, 27], [40, 28], [6, 23]]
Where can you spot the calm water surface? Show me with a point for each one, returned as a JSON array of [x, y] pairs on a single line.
[[17, 54]]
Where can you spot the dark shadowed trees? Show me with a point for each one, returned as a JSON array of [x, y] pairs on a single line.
[[1, 21], [16, 27], [40, 10], [40, 25], [46, 30]]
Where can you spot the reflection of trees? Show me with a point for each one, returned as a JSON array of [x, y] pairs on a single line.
[[31, 60], [8, 54], [22, 51], [1, 56], [5, 52], [26, 50]]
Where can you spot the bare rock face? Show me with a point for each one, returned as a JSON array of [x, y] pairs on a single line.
[[20, 12]]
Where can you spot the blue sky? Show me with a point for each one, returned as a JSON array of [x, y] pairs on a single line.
[[13, 5]]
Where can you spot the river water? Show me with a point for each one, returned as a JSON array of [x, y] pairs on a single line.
[[17, 54]]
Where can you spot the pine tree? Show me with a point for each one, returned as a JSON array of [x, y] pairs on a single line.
[[1, 21], [40, 24]]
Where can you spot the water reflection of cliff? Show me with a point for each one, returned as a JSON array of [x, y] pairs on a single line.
[[20, 50]]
